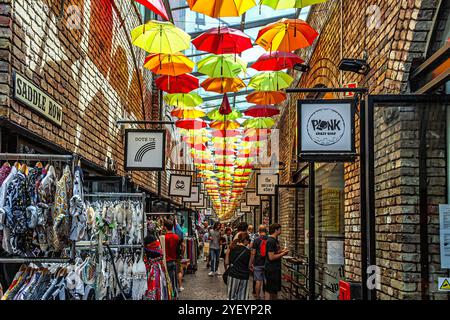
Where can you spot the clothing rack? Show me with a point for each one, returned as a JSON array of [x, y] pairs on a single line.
[[73, 159]]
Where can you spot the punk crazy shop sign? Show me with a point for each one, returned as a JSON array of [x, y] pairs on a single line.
[[35, 99], [326, 127], [145, 150]]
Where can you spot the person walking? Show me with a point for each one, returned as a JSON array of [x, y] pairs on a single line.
[[227, 238], [206, 242], [242, 227], [172, 246], [214, 249], [272, 266], [180, 254], [258, 259], [238, 260]]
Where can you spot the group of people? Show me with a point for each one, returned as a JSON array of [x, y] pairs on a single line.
[[246, 253]]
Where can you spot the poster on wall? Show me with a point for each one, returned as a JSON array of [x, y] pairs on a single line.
[[145, 150], [444, 221], [266, 184], [253, 199], [245, 207], [180, 185], [335, 252], [326, 128], [195, 195]]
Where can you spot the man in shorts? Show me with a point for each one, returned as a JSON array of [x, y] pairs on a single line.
[[258, 259]]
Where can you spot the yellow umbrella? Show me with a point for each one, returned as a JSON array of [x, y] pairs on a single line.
[[169, 64], [183, 99], [221, 8], [160, 37], [223, 85], [187, 113], [224, 125]]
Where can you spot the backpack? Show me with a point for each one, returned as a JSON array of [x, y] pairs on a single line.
[[263, 247]]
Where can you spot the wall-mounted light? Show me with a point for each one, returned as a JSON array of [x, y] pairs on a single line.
[[302, 67], [359, 66]]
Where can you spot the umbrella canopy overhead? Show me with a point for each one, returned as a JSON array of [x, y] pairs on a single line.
[[183, 100], [169, 64], [218, 116], [262, 111], [270, 81], [221, 8], [259, 123], [221, 66], [157, 6], [184, 83], [266, 97], [276, 61], [224, 125], [223, 85], [286, 35], [223, 40], [187, 113], [160, 37], [288, 4], [191, 124]]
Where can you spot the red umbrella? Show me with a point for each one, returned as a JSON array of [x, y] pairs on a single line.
[[223, 40], [225, 133], [184, 83], [157, 6], [262, 111], [199, 147], [225, 107], [191, 124], [222, 152], [277, 61]]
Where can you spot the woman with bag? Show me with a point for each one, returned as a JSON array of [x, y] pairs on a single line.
[[237, 274]]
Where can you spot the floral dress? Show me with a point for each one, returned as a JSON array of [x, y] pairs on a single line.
[[158, 288]]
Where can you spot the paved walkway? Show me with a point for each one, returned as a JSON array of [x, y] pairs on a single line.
[[200, 286]]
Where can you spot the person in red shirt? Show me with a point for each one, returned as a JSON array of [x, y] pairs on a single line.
[[172, 244]]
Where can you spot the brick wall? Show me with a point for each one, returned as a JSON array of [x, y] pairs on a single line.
[[85, 61], [391, 45]]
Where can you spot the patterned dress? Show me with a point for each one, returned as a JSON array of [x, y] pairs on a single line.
[[158, 288]]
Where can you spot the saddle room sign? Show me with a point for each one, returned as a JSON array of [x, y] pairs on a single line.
[[34, 98], [145, 150], [180, 185], [326, 129]]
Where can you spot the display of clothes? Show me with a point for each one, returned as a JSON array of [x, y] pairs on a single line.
[[54, 282], [191, 252], [39, 209]]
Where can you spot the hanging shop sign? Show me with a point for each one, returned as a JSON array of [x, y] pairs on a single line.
[[208, 212], [253, 199], [201, 204], [195, 195], [266, 184], [327, 129], [444, 219], [245, 207], [180, 185], [36, 99], [145, 150]]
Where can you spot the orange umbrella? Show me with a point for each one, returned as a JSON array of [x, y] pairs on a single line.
[[223, 85], [224, 125], [286, 35], [187, 113], [221, 8], [169, 64], [266, 97]]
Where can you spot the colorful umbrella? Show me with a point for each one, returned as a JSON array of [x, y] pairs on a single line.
[[259, 123], [262, 111], [157, 6], [271, 81], [169, 64], [160, 37], [225, 107], [187, 113], [184, 83], [276, 61], [221, 8], [223, 85], [225, 152], [288, 4], [221, 66], [183, 100], [224, 125], [286, 35], [223, 40], [225, 133], [191, 124], [266, 97], [217, 116]]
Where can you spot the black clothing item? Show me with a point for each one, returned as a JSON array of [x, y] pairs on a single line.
[[259, 260], [272, 246], [273, 281], [240, 269]]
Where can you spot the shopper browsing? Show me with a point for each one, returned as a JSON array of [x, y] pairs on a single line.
[[214, 249], [172, 244], [272, 266], [238, 260], [258, 259], [242, 227]]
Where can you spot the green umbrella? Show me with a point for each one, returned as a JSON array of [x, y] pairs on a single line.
[[221, 66], [259, 123], [288, 4], [217, 116], [270, 81], [183, 100]]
